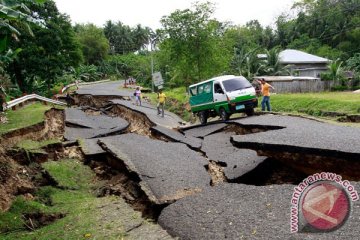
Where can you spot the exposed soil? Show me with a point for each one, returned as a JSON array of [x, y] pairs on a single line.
[[121, 182], [139, 123], [239, 129], [271, 172], [19, 173], [310, 163], [216, 172], [36, 220]]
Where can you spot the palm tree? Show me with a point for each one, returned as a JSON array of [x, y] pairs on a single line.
[[273, 65], [336, 72]]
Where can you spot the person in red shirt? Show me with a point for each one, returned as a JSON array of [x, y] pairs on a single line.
[[265, 90]]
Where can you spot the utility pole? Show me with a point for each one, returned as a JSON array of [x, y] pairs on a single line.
[[152, 70], [152, 46]]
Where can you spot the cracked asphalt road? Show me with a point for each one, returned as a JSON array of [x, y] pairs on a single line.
[[238, 161], [84, 126], [176, 136], [169, 120], [112, 88], [237, 211], [168, 171], [173, 172]]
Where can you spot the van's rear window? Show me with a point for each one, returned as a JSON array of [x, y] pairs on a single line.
[[236, 84]]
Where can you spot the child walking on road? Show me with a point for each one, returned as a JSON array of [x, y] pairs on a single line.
[[138, 96], [161, 98]]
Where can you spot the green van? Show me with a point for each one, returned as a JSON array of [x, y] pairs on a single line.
[[222, 96]]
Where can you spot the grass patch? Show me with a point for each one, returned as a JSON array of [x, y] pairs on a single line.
[[24, 117], [12, 220], [79, 204], [70, 173], [317, 103], [177, 101], [34, 145]]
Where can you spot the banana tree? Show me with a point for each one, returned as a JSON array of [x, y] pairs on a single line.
[[13, 13]]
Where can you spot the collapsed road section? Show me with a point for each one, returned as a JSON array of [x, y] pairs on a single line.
[[80, 125], [168, 171], [306, 145]]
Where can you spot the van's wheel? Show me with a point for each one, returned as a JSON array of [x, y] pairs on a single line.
[[223, 114], [249, 111], [203, 116]]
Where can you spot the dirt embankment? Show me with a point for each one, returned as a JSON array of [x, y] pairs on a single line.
[[18, 177]]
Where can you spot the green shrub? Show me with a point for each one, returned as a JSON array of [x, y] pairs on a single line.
[[339, 88]]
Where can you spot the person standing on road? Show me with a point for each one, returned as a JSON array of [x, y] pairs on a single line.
[[161, 98], [265, 90], [138, 96]]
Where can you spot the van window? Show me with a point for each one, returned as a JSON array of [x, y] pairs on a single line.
[[207, 88], [218, 89], [193, 91], [200, 89], [236, 84]]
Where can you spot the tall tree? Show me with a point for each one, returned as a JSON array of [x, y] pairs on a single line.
[[94, 44], [193, 43], [53, 48], [123, 39]]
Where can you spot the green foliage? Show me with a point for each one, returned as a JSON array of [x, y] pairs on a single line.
[[353, 63], [124, 39], [135, 65], [336, 72], [192, 44], [95, 46], [273, 67], [44, 56], [314, 46], [87, 73], [331, 27], [12, 14], [248, 64], [339, 88], [177, 101]]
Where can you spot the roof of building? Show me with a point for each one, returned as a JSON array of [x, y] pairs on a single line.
[[290, 56]]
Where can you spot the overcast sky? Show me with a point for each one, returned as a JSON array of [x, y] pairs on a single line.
[[149, 12]]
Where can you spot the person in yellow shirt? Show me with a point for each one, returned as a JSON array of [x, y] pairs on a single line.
[[265, 90], [161, 97]]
